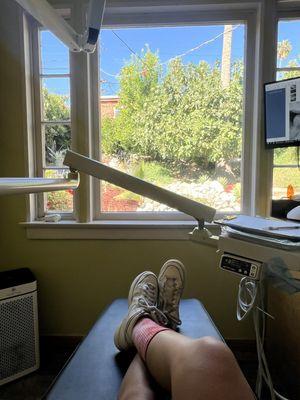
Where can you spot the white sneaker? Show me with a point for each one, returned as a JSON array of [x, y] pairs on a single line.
[[171, 281], [142, 300]]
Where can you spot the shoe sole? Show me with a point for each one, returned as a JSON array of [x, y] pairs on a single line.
[[118, 339]]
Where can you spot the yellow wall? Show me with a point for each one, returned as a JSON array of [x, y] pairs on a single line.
[[78, 278]]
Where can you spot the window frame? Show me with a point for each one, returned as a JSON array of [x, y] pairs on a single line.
[[258, 69], [285, 15], [39, 123], [243, 17]]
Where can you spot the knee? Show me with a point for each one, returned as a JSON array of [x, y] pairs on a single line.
[[212, 356], [214, 350]]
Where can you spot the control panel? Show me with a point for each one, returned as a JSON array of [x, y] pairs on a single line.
[[241, 266]]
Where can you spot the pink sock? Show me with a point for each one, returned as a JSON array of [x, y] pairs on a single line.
[[143, 332]]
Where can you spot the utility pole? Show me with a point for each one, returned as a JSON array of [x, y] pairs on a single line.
[[226, 56]]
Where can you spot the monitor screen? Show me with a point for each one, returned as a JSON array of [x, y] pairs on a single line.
[[282, 113]]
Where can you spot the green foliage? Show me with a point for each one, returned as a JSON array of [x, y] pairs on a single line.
[[203, 178], [152, 172], [61, 200], [126, 195], [223, 181], [285, 156], [57, 137], [282, 177], [283, 49], [181, 115], [237, 191]]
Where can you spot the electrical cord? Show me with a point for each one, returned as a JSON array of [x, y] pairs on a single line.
[[246, 297], [251, 298]]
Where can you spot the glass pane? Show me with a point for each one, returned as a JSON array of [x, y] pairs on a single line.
[[286, 156], [56, 99], [172, 113], [287, 74], [115, 199], [54, 54], [287, 48], [57, 142], [61, 201], [282, 178]]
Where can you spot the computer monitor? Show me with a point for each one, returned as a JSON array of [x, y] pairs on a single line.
[[282, 113]]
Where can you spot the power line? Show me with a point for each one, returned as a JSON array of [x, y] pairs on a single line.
[[199, 46], [128, 47], [109, 74], [108, 83]]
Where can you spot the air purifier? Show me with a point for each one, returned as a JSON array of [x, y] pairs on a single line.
[[19, 339]]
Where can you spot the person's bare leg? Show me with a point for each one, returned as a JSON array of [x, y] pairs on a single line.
[[189, 368], [196, 368], [136, 382]]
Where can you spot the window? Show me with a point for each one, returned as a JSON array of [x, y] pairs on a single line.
[[286, 161], [176, 101], [179, 93], [54, 119]]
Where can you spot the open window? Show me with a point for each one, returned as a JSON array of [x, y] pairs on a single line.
[[179, 96]]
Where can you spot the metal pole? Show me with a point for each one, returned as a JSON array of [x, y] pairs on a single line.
[[37, 185]]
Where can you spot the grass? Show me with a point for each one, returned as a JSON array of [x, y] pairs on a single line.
[[152, 172], [285, 156], [282, 177]]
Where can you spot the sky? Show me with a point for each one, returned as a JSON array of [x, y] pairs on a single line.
[[168, 42]]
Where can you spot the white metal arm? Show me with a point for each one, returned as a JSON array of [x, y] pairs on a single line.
[[46, 15], [95, 168], [37, 185], [78, 162]]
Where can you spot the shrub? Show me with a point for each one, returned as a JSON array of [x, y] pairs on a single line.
[[183, 115], [237, 191], [61, 200]]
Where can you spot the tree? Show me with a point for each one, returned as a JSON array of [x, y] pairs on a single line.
[[180, 115], [226, 55], [57, 137], [283, 50]]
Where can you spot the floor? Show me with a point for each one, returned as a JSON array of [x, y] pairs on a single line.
[[55, 353]]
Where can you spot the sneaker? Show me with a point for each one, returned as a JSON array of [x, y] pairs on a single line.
[[142, 300], [171, 281]]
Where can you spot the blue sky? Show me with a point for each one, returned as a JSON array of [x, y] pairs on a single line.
[[169, 42]]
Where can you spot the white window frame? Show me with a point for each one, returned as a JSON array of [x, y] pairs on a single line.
[[260, 57], [39, 139], [244, 17], [286, 15]]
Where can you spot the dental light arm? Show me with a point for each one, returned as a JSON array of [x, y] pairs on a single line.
[[37, 185], [78, 162], [46, 15], [101, 171], [94, 21]]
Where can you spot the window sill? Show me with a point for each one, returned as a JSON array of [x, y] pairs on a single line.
[[116, 230]]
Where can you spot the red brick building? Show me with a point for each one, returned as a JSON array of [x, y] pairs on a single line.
[[109, 106]]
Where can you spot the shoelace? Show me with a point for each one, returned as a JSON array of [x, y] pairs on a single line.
[[173, 288], [149, 292], [156, 314]]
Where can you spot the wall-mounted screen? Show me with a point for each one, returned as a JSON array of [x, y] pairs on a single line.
[[282, 113]]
